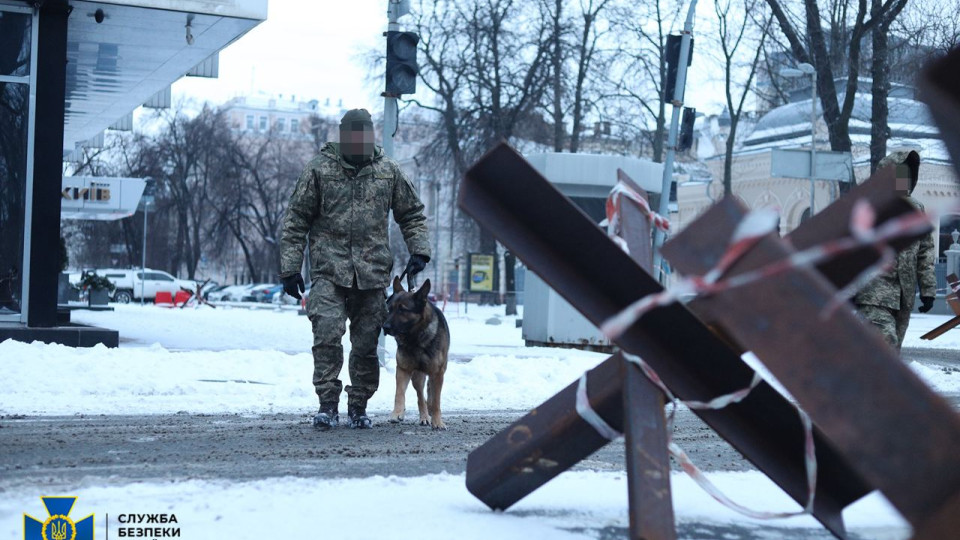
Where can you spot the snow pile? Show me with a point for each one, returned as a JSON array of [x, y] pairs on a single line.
[[576, 504]]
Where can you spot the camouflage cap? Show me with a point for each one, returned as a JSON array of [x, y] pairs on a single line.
[[909, 158], [354, 117]]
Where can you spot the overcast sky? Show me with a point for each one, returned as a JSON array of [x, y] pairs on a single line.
[[312, 50], [307, 49]]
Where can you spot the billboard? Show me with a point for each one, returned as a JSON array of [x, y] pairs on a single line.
[[480, 271]]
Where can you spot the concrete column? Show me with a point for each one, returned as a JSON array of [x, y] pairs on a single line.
[[47, 163]]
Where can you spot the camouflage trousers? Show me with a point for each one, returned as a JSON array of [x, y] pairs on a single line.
[[891, 323], [329, 306]]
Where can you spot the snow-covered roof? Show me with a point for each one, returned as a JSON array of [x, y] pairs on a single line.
[[907, 118]]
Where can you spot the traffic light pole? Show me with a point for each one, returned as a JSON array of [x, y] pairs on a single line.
[[677, 102], [389, 101], [394, 8]]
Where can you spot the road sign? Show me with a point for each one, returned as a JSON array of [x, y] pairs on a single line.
[[795, 163]]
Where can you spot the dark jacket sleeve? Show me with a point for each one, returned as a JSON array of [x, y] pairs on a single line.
[[301, 211]]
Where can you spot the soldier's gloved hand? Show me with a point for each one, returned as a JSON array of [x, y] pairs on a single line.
[[293, 285], [416, 264], [927, 302]]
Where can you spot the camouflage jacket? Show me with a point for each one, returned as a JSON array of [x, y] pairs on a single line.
[[342, 212], [896, 289]]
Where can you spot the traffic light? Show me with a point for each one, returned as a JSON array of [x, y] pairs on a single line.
[[401, 62], [685, 142], [673, 61]]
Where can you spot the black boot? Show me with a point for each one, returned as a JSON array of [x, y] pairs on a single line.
[[327, 417], [358, 417]]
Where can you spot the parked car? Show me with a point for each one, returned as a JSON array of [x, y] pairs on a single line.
[[217, 288], [267, 295], [230, 293], [284, 299], [132, 284], [260, 292]]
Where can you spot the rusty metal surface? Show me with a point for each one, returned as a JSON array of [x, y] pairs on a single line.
[[834, 222], [942, 524], [648, 462], [635, 226], [942, 329], [546, 441], [565, 248], [899, 434], [939, 87]]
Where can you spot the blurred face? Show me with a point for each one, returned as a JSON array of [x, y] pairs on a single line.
[[903, 180], [356, 142]]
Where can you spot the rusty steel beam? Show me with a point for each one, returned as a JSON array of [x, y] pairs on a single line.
[[546, 441], [635, 226], [564, 247], [834, 223], [895, 431], [648, 461], [939, 87], [553, 437]]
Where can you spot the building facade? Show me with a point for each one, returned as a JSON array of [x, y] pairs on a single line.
[[789, 126], [69, 69]]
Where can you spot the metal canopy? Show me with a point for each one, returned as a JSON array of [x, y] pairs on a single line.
[[138, 49]]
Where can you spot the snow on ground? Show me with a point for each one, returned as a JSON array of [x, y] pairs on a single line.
[[574, 505], [258, 361], [232, 361]]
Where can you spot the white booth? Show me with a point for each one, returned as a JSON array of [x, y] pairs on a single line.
[[548, 319]]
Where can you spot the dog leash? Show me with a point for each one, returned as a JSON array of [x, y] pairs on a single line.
[[411, 284]]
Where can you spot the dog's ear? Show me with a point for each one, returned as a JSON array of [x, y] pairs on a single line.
[[423, 291], [397, 285]]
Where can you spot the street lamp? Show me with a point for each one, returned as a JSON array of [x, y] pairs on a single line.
[[800, 71]]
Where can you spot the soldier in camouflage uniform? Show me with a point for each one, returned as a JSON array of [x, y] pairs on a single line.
[[340, 206], [887, 300]]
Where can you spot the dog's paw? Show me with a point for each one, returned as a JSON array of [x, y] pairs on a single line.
[[425, 421], [438, 425], [395, 418]]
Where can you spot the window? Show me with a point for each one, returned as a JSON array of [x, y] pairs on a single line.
[[280, 125], [18, 41], [263, 123], [159, 276], [294, 125], [249, 121]]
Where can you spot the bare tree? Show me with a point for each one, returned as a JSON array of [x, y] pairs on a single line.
[[486, 63], [880, 74], [192, 155], [574, 46], [635, 98], [741, 52], [251, 202], [831, 50]]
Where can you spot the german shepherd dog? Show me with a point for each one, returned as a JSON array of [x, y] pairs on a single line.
[[423, 342]]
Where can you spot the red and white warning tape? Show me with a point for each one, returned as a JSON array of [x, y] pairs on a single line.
[[689, 467], [754, 226], [619, 191]]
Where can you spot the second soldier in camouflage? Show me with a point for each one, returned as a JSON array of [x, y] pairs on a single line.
[[887, 300]]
